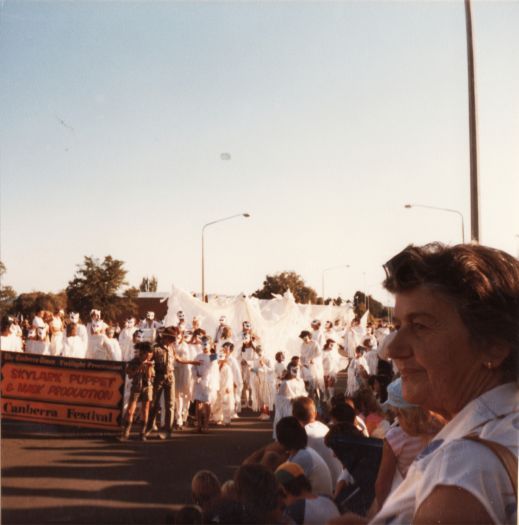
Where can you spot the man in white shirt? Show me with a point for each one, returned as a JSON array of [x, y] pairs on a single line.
[[293, 438], [303, 409]]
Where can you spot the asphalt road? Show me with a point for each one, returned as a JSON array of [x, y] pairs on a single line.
[[62, 475]]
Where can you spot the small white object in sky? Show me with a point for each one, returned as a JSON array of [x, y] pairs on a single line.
[[64, 124]]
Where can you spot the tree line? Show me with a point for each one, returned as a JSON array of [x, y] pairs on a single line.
[[102, 284]]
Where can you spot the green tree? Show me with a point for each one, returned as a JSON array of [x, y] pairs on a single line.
[[7, 294], [99, 284], [281, 282], [27, 304], [149, 284]]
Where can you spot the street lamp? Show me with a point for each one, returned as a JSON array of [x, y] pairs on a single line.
[[331, 268], [442, 209], [203, 245]]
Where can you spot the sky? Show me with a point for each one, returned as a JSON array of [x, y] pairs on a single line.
[[127, 126]]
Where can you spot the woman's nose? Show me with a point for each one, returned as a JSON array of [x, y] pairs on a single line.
[[399, 347]]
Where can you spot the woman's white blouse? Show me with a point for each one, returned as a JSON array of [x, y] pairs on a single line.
[[453, 461]]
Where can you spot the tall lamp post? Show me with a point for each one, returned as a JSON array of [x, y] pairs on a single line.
[[203, 245], [327, 269], [442, 209]]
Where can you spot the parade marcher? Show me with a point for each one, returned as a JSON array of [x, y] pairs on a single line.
[[357, 373], [126, 339], [56, 330], [183, 380], [29, 340], [8, 340], [115, 348], [73, 345], [164, 357], [206, 387], [248, 354], [220, 328], [149, 327], [371, 356], [224, 406], [82, 331], [195, 323], [236, 374], [37, 320], [331, 367], [99, 346], [181, 321], [291, 387], [95, 319], [279, 369], [311, 364], [141, 371], [226, 336], [41, 344], [317, 333], [261, 384]]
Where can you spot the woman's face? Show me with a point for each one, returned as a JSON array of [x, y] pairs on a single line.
[[440, 369]]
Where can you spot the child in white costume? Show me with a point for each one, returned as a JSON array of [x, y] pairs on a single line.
[[82, 331], [290, 388], [126, 339], [73, 345], [236, 374], [248, 354], [357, 372], [56, 328], [183, 380], [99, 346], [40, 345], [116, 354], [311, 363], [331, 367], [224, 406], [261, 384], [205, 388]]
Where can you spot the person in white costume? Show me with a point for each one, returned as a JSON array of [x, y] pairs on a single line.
[[279, 370], [222, 324], [99, 346], [149, 327], [126, 339], [41, 344], [353, 337], [331, 367], [82, 331], [56, 330], [312, 364], [371, 357], [226, 336], [317, 333], [8, 341], [183, 380], [37, 321], [195, 323], [291, 387], [206, 387], [225, 404], [31, 337], [73, 345], [457, 346], [248, 354], [261, 384], [357, 374], [381, 332], [236, 374], [116, 354], [181, 321]]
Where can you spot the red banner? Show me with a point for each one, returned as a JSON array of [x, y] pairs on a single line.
[[59, 390]]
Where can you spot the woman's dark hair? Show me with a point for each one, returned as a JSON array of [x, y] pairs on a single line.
[[482, 282], [188, 515], [297, 486], [365, 401], [258, 491], [291, 434], [343, 413]]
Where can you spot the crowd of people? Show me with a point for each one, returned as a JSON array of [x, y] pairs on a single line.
[[424, 431]]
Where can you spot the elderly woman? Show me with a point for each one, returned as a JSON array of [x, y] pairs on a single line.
[[457, 314]]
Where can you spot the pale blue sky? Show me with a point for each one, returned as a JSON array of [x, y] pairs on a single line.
[[335, 115]]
